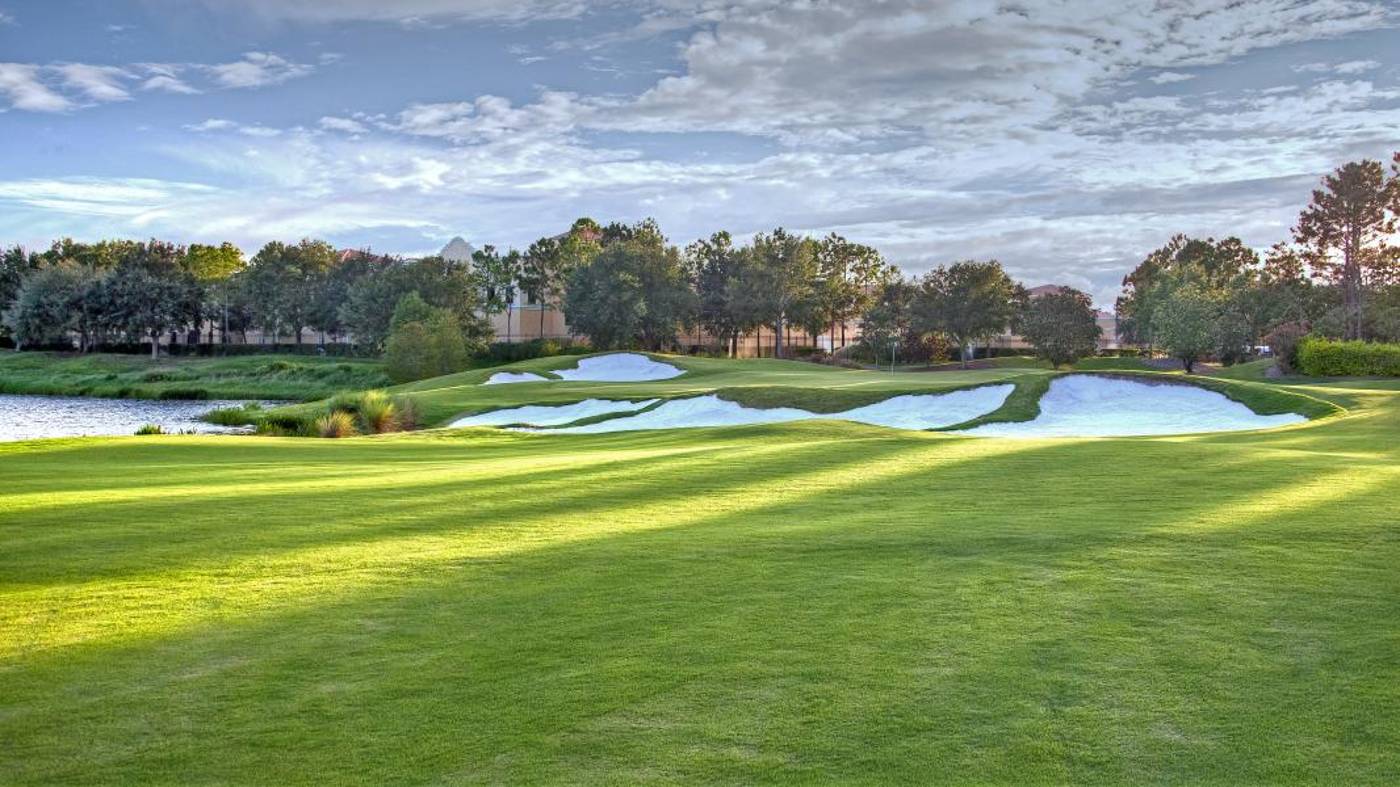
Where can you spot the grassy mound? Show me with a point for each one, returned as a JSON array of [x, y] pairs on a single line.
[[139, 377]]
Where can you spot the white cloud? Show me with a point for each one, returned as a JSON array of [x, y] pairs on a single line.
[[168, 84], [6, 19], [115, 197], [60, 87], [212, 124], [413, 12], [21, 84], [1168, 77], [97, 83], [346, 125], [257, 69], [1345, 68], [934, 131]]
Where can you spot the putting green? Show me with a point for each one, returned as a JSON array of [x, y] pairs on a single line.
[[806, 601]]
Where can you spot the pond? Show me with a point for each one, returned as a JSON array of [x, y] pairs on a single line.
[[32, 417]]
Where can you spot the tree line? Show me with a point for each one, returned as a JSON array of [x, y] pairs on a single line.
[[625, 285], [1338, 275], [121, 292]]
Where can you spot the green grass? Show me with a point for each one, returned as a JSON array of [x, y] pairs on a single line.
[[139, 377], [817, 601]]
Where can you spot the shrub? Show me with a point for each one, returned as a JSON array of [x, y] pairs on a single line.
[[510, 352], [1329, 358], [286, 424], [336, 424], [1283, 342], [376, 413], [150, 429], [408, 413], [236, 416], [418, 349]]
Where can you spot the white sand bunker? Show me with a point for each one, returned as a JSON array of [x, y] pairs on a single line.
[[1092, 406], [544, 415], [620, 368], [924, 411], [502, 378]]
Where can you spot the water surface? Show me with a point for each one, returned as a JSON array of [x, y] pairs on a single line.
[[32, 417]]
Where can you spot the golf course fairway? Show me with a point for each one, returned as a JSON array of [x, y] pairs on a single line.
[[801, 602]]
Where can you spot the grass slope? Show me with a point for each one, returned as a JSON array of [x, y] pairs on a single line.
[[139, 377], [799, 602]]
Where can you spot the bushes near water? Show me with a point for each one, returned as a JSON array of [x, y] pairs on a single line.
[[1329, 358]]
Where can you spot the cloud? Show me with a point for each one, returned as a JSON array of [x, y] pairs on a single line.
[[1168, 77], [129, 198], [20, 83], [934, 131], [257, 69], [59, 87], [6, 19], [97, 83], [420, 13], [212, 124], [346, 125], [168, 84], [1345, 68]]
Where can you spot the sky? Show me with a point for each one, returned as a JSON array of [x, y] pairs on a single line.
[[1065, 139]]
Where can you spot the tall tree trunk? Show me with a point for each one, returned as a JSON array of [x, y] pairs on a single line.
[[541, 336], [510, 309], [778, 338], [155, 344]]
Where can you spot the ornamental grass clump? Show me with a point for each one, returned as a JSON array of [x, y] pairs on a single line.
[[336, 424], [377, 413]]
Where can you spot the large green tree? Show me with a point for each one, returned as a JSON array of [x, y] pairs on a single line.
[[1186, 323], [968, 302], [42, 311], [889, 318], [1217, 267], [847, 277], [370, 301], [634, 293], [1349, 230], [499, 276], [285, 283], [15, 264], [779, 275], [214, 268], [715, 268], [548, 264], [1061, 326]]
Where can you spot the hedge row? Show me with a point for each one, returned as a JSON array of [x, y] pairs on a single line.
[[1329, 358]]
